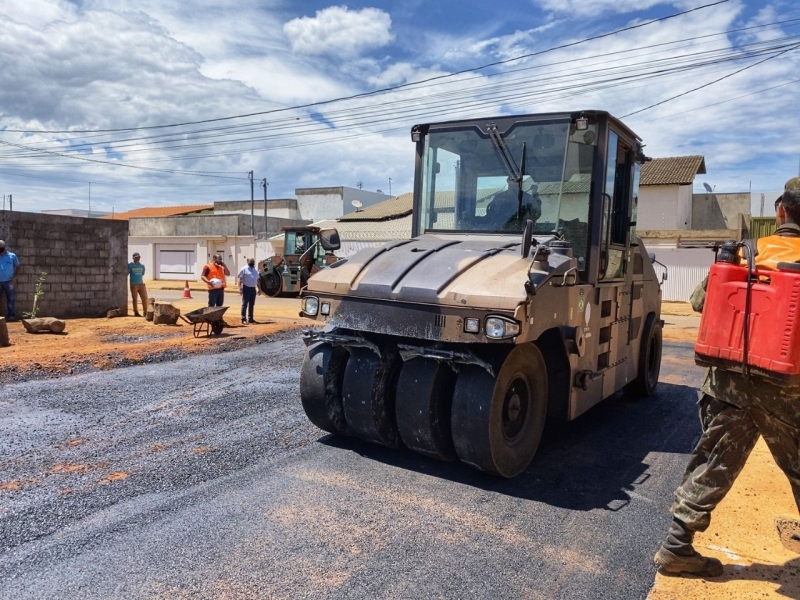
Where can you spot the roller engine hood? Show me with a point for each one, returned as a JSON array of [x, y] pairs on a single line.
[[484, 273]]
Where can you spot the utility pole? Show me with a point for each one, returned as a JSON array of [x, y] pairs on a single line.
[[10, 203], [252, 206], [90, 199], [390, 186], [264, 184]]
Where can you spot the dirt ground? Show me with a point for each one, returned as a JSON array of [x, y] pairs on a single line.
[[106, 343]]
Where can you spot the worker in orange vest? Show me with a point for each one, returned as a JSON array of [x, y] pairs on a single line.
[[213, 276], [734, 413]]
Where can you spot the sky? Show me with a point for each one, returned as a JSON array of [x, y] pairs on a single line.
[[114, 105]]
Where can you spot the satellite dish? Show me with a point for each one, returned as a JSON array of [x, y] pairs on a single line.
[[709, 189], [357, 203]]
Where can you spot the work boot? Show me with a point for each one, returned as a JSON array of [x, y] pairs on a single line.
[[670, 563], [789, 533]]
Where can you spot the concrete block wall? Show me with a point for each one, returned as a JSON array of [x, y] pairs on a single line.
[[85, 261]]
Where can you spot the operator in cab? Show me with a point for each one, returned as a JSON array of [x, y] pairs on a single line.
[[734, 412], [508, 211]]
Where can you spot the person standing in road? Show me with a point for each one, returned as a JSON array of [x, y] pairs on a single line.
[[248, 288], [9, 271], [213, 276], [734, 412], [138, 288]]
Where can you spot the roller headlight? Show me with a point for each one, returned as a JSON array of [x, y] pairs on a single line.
[[498, 328], [325, 309], [310, 305]]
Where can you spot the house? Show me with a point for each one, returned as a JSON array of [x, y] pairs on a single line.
[[175, 242], [680, 227], [665, 193]]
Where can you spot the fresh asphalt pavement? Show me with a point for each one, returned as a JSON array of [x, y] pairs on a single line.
[[202, 478]]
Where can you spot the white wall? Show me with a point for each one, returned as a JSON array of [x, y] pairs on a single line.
[[318, 207], [258, 211], [686, 268], [664, 207], [366, 198], [235, 251]]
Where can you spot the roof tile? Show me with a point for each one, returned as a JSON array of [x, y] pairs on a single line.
[[399, 206], [676, 170], [159, 211]]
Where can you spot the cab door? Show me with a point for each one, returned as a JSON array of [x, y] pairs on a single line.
[[613, 292]]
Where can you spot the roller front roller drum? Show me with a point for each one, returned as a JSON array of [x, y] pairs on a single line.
[[321, 378], [368, 395], [424, 397]]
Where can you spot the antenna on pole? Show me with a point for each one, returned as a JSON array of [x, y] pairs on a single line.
[[252, 206], [264, 184]]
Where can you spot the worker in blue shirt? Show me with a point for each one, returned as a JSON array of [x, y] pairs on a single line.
[[9, 270], [136, 271], [247, 278]]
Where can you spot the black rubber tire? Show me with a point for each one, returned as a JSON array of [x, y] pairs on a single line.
[[497, 423], [271, 284], [368, 395], [321, 376], [424, 397], [649, 363], [217, 327]]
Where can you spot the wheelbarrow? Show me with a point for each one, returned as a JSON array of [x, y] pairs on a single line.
[[206, 320]]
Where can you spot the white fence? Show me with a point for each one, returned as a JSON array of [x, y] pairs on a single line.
[[686, 268]]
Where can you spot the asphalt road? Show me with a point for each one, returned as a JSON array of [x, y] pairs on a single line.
[[202, 478]]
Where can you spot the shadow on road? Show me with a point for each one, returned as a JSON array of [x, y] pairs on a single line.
[[590, 463]]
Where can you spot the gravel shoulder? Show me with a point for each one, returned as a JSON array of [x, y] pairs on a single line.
[[100, 344]]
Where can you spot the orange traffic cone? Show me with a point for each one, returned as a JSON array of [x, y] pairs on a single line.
[[187, 293]]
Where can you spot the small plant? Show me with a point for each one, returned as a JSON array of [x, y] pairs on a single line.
[[38, 293]]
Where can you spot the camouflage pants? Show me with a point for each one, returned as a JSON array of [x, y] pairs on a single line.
[[729, 434]]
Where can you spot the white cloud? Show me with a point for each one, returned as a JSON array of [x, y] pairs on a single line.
[[597, 7], [37, 13], [339, 31]]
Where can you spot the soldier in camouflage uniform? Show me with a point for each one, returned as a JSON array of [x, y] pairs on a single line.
[[734, 411]]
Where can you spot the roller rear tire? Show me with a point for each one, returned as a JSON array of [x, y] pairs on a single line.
[[649, 364]]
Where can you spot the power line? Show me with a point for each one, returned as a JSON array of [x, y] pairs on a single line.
[[107, 162], [591, 78], [705, 85], [392, 88]]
